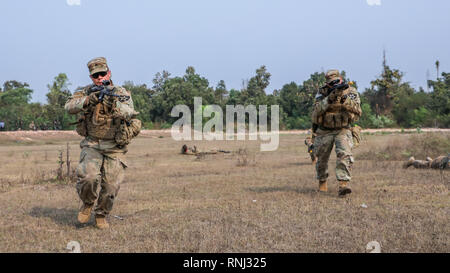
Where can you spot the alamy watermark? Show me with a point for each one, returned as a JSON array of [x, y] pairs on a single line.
[[257, 123]]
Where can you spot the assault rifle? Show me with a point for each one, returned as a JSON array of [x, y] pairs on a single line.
[[106, 90], [336, 86]]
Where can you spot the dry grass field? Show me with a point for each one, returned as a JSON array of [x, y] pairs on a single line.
[[247, 201]]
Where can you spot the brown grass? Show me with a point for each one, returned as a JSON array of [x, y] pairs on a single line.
[[175, 203], [401, 148]]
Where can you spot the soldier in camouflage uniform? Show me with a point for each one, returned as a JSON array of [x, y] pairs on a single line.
[[107, 123], [310, 145], [337, 106], [440, 162]]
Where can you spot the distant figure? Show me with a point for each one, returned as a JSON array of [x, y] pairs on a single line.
[[2, 126], [310, 145], [56, 125], [188, 150], [32, 126], [440, 162], [19, 125]]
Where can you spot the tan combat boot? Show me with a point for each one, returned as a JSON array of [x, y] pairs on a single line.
[[323, 186], [85, 214], [100, 222], [344, 189]]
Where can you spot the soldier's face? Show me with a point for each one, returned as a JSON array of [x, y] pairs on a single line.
[[340, 81], [97, 78]]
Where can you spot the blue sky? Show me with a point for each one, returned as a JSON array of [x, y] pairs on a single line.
[[223, 40]]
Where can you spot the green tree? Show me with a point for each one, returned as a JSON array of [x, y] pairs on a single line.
[[392, 99], [297, 101], [384, 90], [14, 100], [439, 103], [255, 91], [9, 85], [56, 98], [234, 97], [142, 100], [159, 80], [170, 92], [409, 104], [370, 120], [220, 93]]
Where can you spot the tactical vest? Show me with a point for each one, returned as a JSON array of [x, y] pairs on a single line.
[[336, 116], [98, 122]]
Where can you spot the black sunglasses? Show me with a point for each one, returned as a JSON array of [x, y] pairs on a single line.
[[333, 83], [96, 75]]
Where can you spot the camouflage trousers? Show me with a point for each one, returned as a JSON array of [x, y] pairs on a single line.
[[323, 144], [97, 168]]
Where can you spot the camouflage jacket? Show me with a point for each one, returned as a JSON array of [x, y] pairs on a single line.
[[100, 123], [339, 112]]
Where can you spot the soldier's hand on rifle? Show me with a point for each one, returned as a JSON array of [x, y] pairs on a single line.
[[333, 97], [93, 98]]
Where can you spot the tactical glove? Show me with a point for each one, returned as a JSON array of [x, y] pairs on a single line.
[[332, 98], [93, 98]]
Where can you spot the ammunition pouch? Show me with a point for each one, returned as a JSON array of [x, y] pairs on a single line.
[[336, 120], [127, 131], [81, 128], [101, 125], [315, 118], [337, 116]]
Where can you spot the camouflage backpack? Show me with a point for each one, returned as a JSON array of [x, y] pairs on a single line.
[[127, 132]]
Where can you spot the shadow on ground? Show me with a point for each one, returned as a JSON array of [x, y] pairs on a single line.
[[63, 216]]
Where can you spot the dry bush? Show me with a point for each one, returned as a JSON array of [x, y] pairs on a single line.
[[419, 145], [242, 157], [51, 176], [5, 185], [245, 158], [65, 172]]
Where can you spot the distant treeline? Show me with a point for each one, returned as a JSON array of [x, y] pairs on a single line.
[[389, 102]]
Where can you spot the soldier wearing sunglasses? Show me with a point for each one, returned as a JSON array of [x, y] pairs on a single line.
[[108, 124]]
